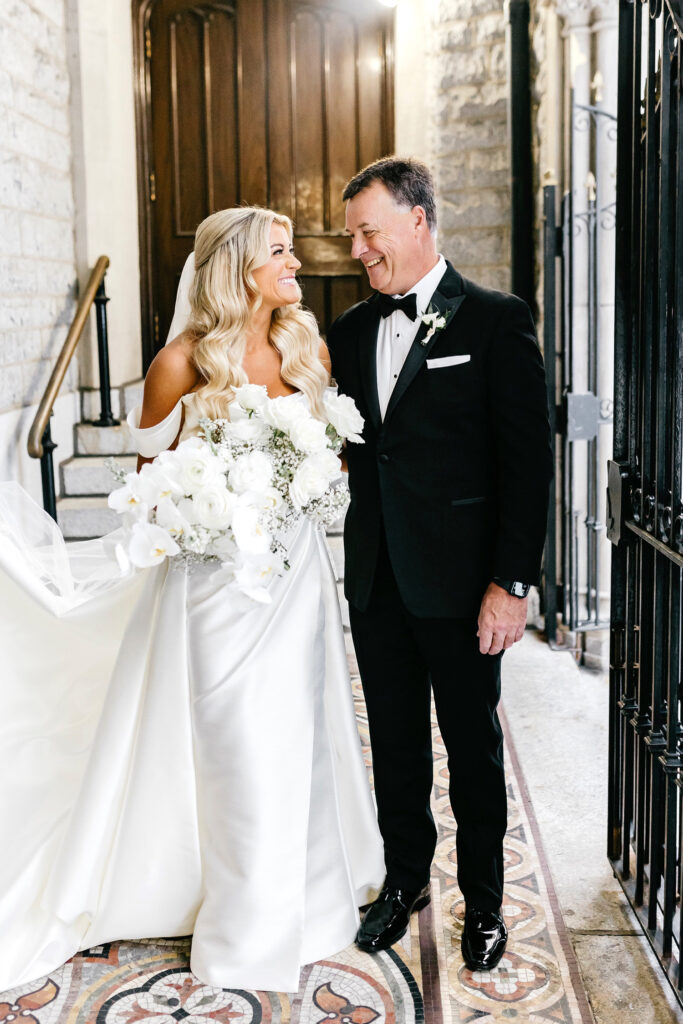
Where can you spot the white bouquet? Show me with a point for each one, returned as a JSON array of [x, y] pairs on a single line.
[[232, 495]]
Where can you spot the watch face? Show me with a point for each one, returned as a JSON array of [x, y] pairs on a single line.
[[519, 589]]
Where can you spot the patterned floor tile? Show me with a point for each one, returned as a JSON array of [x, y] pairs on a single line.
[[422, 980]]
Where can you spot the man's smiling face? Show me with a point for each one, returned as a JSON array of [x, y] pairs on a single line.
[[385, 237]]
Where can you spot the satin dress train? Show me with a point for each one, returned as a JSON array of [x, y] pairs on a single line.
[[178, 759]]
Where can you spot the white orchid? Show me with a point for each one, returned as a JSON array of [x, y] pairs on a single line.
[[255, 575], [161, 480], [250, 535], [170, 518], [150, 545], [132, 498], [270, 499]]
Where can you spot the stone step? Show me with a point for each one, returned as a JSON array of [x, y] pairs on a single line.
[[123, 399], [88, 475], [85, 517], [93, 440]]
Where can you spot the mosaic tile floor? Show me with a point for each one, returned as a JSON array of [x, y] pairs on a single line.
[[422, 979]]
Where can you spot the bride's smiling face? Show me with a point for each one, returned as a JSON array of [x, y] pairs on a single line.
[[276, 279]]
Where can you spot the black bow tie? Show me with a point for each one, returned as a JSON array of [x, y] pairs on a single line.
[[408, 303]]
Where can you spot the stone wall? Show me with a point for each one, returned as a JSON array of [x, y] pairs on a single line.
[[469, 137], [37, 258], [547, 118]]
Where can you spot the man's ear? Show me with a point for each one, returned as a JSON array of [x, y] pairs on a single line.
[[419, 217]]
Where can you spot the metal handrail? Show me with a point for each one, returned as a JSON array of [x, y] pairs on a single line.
[[42, 417]]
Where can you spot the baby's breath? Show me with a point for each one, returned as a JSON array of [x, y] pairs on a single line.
[[116, 470]]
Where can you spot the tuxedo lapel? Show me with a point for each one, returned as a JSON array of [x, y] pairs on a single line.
[[367, 354], [446, 301]]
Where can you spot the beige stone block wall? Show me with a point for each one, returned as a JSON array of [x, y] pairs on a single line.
[[37, 254], [469, 137]]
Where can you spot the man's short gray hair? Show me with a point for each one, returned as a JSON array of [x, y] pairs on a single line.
[[409, 181]]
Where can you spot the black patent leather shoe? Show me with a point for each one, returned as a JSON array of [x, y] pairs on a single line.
[[388, 917], [484, 939]]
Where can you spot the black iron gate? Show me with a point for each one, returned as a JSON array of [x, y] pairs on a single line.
[[575, 230], [645, 511]]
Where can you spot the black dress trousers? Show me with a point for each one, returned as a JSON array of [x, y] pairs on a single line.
[[401, 658]]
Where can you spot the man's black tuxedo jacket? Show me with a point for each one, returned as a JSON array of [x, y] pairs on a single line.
[[457, 474]]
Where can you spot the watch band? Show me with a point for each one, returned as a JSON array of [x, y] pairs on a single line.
[[514, 587]]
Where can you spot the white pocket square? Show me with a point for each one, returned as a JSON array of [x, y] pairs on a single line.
[[436, 364]]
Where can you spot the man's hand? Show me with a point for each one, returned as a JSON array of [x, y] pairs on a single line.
[[502, 619]]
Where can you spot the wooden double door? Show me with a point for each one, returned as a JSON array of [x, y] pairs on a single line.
[[266, 102]]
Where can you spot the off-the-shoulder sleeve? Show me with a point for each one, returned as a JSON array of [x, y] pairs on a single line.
[[150, 441]]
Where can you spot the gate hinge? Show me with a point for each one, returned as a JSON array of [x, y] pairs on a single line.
[[156, 329], [617, 495], [152, 187], [148, 44]]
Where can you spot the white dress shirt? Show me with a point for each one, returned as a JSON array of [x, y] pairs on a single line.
[[397, 333]]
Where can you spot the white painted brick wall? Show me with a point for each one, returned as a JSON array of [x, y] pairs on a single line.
[[469, 137], [37, 260]]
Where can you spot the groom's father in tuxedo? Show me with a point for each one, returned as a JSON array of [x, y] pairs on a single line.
[[443, 537]]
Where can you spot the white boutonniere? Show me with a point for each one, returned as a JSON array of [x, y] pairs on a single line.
[[435, 321]]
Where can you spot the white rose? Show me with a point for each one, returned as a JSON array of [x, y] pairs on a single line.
[[251, 472], [213, 506], [344, 417], [150, 545], [308, 435], [313, 477], [250, 536], [197, 465], [282, 412], [245, 428], [250, 397]]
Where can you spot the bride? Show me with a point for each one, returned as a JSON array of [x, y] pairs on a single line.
[[178, 759]]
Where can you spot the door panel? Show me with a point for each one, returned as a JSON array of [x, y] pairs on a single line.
[[263, 102]]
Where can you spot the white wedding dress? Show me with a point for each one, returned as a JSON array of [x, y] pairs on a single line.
[[177, 758]]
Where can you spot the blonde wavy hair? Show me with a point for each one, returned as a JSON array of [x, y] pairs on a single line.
[[223, 297]]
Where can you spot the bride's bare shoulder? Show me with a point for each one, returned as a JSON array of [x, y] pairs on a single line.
[[171, 375]]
